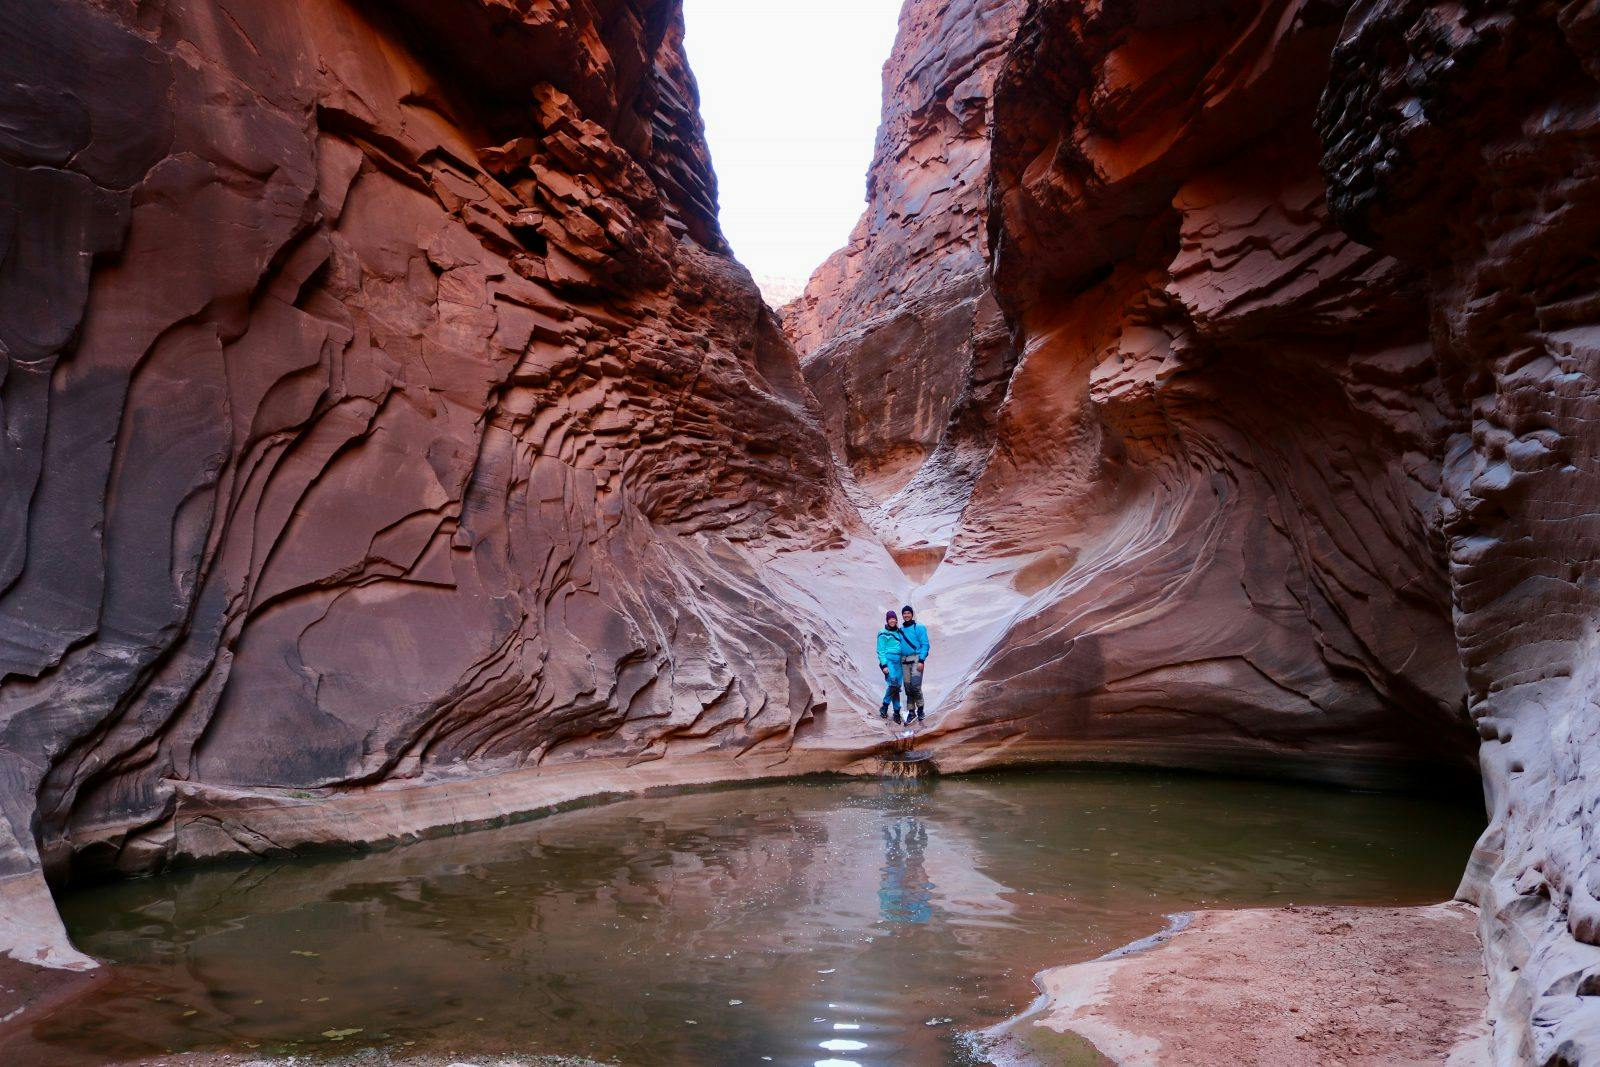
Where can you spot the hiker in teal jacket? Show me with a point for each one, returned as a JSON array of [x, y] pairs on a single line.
[[912, 663], [892, 648]]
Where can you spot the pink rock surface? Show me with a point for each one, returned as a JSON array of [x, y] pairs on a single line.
[[1269, 986], [382, 407], [1291, 468], [392, 443], [903, 343]]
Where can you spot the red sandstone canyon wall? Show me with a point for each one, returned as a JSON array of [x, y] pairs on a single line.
[[1210, 484], [1290, 468], [901, 338], [391, 442], [1295, 463], [1315, 305], [1465, 142], [1167, 534], [381, 406]]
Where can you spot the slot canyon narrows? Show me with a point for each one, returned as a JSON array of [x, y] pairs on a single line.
[[394, 446]]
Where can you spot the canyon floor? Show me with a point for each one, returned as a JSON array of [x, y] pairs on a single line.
[[1272, 986]]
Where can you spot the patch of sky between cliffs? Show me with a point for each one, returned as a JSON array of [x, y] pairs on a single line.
[[791, 92]]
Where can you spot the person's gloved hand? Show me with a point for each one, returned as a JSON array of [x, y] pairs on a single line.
[[884, 669]]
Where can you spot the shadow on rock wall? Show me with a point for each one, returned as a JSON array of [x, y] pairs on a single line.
[[381, 406]]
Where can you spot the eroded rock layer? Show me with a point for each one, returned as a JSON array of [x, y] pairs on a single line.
[[1298, 434], [381, 405], [1216, 471], [901, 337], [391, 443], [1465, 140], [1291, 469]]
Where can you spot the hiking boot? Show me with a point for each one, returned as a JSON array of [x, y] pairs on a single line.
[[883, 711], [920, 715], [897, 716]]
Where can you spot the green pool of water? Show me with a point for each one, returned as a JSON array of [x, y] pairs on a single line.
[[827, 922]]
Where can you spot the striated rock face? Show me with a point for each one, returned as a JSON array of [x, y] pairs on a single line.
[[381, 406], [1466, 142], [1292, 469], [924, 223], [391, 443], [903, 342], [1213, 491]]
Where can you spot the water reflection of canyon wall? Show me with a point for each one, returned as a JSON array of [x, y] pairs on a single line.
[[765, 915]]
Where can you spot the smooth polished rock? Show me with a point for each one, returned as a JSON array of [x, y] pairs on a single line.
[[902, 341], [383, 407]]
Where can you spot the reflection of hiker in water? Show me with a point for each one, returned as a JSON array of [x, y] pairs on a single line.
[[912, 663], [905, 895], [892, 649]]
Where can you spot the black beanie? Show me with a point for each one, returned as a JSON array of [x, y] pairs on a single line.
[[909, 608]]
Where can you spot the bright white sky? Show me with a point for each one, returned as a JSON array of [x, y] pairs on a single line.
[[790, 91]]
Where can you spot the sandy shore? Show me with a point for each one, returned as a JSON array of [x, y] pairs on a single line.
[[1298, 985]]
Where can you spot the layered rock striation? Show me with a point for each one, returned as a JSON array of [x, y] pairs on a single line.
[[1185, 487], [901, 338], [1214, 483], [1290, 468], [1465, 142], [391, 442], [382, 406]]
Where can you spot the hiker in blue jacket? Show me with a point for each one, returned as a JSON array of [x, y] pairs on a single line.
[[915, 636], [892, 648]]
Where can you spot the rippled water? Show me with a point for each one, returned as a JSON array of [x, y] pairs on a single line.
[[801, 923]]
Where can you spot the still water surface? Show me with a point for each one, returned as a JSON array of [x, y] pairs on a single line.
[[829, 922]]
